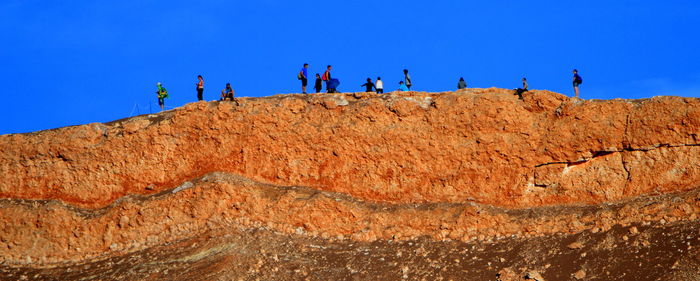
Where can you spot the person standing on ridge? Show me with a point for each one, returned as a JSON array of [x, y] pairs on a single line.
[[379, 85], [200, 88], [461, 84], [577, 81], [402, 87], [318, 85], [520, 91], [162, 95], [327, 77], [368, 86], [303, 76], [227, 93], [407, 78]]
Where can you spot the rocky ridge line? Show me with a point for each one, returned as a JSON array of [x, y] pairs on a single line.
[[478, 145]]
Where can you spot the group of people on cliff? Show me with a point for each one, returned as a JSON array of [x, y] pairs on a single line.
[[227, 94], [332, 83]]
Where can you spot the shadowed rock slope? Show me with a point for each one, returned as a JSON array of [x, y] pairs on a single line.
[[450, 173]]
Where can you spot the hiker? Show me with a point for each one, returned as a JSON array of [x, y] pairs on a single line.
[[368, 86], [327, 77], [520, 91], [200, 87], [407, 78], [379, 85], [303, 77], [402, 87], [318, 85], [461, 84], [577, 81], [227, 93], [162, 95]]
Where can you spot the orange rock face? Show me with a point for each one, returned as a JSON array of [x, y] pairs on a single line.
[[474, 164], [483, 146]]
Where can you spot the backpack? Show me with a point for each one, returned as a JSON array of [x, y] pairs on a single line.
[[299, 76], [579, 80], [163, 93], [325, 76]]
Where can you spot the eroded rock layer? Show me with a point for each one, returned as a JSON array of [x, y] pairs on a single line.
[[454, 169], [484, 146]]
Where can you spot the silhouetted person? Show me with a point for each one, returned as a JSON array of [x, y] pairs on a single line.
[[379, 85], [200, 88], [461, 84], [577, 81], [227, 93], [407, 78], [162, 95], [369, 86], [303, 76], [318, 85], [402, 87], [520, 91], [327, 77]]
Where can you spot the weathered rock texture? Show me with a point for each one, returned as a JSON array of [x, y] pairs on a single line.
[[466, 166], [482, 146]]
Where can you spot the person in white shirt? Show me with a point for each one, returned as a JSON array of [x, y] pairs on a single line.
[[379, 85]]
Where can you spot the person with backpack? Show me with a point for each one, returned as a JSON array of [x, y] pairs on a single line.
[[407, 78], [461, 84], [162, 95], [520, 91], [402, 87], [379, 85], [577, 81], [303, 77], [227, 93], [327, 77], [200, 87], [318, 85], [368, 86]]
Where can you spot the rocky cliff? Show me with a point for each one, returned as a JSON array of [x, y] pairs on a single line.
[[473, 166]]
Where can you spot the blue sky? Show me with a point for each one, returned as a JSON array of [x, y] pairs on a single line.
[[74, 62]]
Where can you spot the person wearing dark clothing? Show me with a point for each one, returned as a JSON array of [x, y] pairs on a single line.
[[227, 93], [318, 85], [520, 91], [369, 86], [577, 81], [407, 79], [200, 88], [327, 77], [461, 84], [303, 76]]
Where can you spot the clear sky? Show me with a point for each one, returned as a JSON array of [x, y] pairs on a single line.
[[73, 62]]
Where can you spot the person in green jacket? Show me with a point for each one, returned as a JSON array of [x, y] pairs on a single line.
[[162, 95]]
